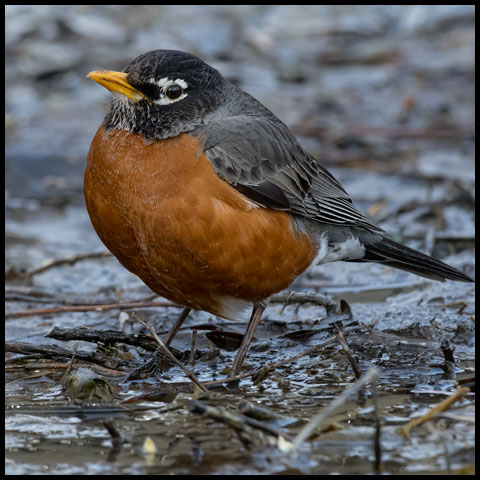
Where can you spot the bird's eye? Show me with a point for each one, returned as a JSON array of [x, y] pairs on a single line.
[[173, 92]]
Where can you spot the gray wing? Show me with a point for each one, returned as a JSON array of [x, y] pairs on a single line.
[[261, 158]]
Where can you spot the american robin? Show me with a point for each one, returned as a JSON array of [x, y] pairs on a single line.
[[201, 191]]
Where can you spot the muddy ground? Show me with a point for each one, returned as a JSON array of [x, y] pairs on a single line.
[[384, 96]]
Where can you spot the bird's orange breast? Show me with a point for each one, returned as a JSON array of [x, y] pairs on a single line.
[[164, 213]]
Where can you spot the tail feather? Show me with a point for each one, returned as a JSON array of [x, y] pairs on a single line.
[[393, 254]]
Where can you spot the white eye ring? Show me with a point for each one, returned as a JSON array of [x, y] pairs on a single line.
[[164, 84]]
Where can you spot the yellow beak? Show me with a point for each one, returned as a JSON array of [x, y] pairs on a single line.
[[117, 82]]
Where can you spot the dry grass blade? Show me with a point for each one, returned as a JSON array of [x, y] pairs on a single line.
[[440, 407]]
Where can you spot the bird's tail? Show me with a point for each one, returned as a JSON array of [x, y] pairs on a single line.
[[388, 252]]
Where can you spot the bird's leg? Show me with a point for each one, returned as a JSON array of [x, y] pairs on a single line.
[[173, 331], [247, 338], [158, 362]]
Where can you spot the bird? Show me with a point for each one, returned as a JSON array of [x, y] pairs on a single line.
[[202, 192]]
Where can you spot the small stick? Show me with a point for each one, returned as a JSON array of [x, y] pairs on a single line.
[[55, 351], [63, 366], [170, 355], [21, 293], [235, 420], [348, 353], [440, 407], [295, 297], [88, 308], [104, 336], [353, 362], [377, 444], [67, 261], [70, 363], [47, 351], [117, 440], [254, 411], [116, 437], [285, 304], [449, 365], [447, 351]]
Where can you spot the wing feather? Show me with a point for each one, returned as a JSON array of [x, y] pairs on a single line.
[[260, 157]]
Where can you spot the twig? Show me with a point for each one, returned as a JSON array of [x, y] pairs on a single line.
[[449, 364], [254, 411], [46, 351], [440, 407], [117, 440], [285, 304], [295, 297], [62, 366], [170, 355], [88, 308], [325, 415], [348, 353], [23, 293], [104, 336], [234, 420], [353, 362], [116, 437], [363, 289], [67, 261], [52, 351], [447, 351], [70, 364], [377, 444]]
